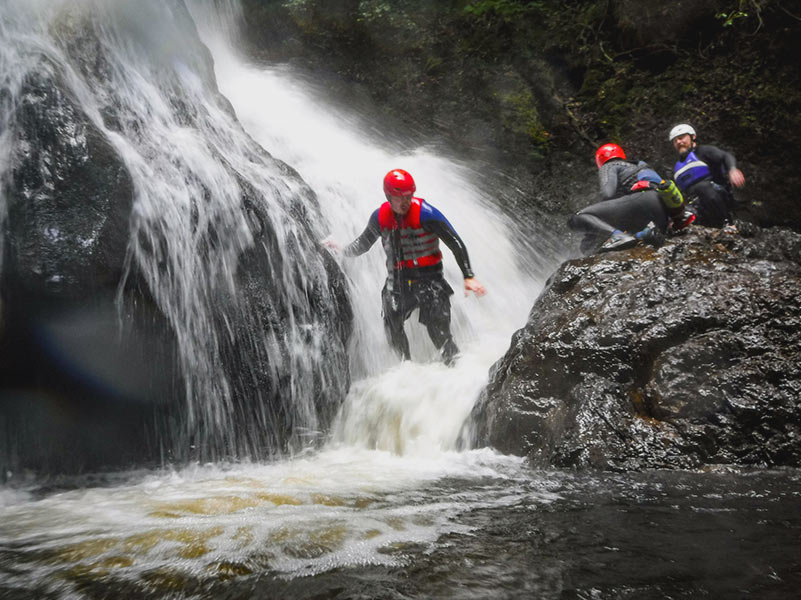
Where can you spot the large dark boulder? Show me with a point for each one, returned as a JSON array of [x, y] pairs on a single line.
[[101, 365], [80, 374], [671, 358]]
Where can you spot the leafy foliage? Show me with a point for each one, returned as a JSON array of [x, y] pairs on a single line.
[[506, 9]]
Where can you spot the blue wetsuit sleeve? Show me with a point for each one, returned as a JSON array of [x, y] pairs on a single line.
[[433, 221], [367, 238]]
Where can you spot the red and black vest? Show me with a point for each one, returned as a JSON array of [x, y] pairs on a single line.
[[417, 247]]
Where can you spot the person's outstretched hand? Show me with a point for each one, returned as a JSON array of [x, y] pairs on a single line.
[[736, 177], [474, 285], [332, 245]]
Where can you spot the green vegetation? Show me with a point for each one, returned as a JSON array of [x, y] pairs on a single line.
[[506, 9], [519, 115]]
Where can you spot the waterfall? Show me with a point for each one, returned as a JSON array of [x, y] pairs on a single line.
[[208, 203], [238, 173], [343, 154]]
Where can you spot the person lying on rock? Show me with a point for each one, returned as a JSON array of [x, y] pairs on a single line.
[[705, 174], [637, 205], [410, 230]]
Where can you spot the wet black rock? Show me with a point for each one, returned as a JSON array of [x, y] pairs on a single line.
[[92, 373], [673, 358]]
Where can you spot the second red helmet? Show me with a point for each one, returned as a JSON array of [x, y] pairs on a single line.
[[607, 152], [399, 183]]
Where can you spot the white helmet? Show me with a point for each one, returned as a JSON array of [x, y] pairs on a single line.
[[681, 130]]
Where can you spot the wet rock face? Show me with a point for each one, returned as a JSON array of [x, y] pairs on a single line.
[[70, 197], [91, 369], [671, 358], [82, 377]]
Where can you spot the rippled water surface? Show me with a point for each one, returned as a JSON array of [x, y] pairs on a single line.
[[369, 524]]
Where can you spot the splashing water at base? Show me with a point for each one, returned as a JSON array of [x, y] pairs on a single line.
[[342, 507], [412, 409]]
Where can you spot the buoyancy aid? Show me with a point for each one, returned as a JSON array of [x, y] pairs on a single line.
[[645, 176], [418, 247], [690, 170]]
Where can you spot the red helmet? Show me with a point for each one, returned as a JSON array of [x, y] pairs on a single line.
[[608, 152], [398, 183]]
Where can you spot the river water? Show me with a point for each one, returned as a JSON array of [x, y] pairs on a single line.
[[371, 524], [394, 504]]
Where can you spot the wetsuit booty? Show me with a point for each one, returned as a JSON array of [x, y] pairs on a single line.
[[449, 353], [651, 236], [619, 240]]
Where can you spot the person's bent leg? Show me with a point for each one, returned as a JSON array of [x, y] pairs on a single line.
[[590, 223], [713, 210], [435, 314], [595, 229]]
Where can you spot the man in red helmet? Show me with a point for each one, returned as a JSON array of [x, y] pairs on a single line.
[[636, 205], [410, 230]]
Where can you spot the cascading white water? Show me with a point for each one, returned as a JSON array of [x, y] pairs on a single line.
[[372, 491], [391, 406], [153, 97]]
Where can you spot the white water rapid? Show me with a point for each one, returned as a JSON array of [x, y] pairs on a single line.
[[377, 487]]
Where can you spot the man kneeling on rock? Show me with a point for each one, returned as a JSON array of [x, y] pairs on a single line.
[[637, 205], [705, 174]]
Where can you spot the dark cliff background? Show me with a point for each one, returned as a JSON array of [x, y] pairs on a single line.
[[533, 88]]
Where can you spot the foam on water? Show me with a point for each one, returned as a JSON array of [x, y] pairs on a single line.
[[340, 507]]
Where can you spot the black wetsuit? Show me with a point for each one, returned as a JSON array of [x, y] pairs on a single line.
[[619, 209], [422, 287], [616, 177], [711, 199]]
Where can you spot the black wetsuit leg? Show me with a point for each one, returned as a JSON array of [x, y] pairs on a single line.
[[433, 297], [589, 223], [595, 230], [710, 202], [397, 306], [631, 212], [435, 314]]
